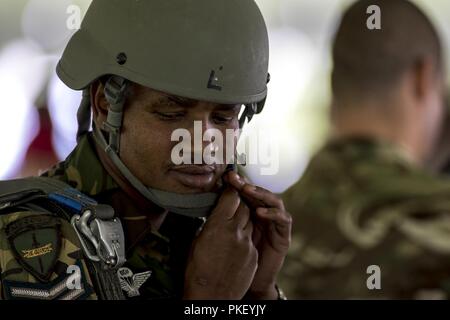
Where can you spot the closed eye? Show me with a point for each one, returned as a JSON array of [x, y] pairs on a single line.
[[224, 118], [169, 116]]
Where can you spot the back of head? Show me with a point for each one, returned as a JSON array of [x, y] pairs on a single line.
[[369, 63]]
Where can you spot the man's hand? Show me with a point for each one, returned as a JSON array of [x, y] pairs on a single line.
[[271, 234], [223, 258]]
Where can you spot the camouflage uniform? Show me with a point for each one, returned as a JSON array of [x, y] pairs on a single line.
[[361, 203], [163, 252]]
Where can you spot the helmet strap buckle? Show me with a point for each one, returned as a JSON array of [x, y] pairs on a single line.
[[115, 89]]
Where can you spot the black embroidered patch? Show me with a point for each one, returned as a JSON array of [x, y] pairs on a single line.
[[58, 289], [36, 244]]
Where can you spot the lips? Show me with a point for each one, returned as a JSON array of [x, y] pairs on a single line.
[[195, 169], [194, 176]]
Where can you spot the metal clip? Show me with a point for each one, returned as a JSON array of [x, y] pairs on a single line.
[[104, 236]]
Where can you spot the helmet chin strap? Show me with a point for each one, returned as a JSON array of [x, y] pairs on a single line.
[[192, 205]]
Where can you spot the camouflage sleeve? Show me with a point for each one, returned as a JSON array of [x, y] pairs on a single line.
[[367, 224], [423, 248], [395, 253], [1, 289]]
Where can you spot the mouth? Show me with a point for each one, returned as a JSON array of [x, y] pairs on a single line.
[[194, 176]]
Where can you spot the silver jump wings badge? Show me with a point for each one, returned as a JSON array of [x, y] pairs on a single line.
[[130, 283]]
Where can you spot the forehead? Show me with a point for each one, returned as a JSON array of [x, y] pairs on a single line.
[[151, 97]]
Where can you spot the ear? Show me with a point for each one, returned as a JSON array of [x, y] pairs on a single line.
[[424, 77], [99, 103]]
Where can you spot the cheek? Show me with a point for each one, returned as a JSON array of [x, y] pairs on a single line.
[[439, 110], [435, 117], [145, 142]]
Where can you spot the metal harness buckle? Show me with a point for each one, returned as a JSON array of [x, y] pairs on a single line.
[[101, 240]]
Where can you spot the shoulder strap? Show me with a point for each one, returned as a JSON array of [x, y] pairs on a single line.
[[21, 191]]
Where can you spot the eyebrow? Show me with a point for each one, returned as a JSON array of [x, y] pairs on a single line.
[[185, 102]]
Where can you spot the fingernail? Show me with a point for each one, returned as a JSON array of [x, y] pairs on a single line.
[[239, 180]]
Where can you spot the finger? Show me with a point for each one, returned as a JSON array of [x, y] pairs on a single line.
[[256, 196], [248, 229], [227, 205], [233, 179], [262, 196], [250, 225], [281, 219], [275, 215], [242, 215], [225, 176], [236, 181], [252, 202]]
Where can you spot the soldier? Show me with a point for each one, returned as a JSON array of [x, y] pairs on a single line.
[[369, 221], [118, 219]]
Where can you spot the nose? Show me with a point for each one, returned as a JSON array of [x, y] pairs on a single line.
[[205, 142]]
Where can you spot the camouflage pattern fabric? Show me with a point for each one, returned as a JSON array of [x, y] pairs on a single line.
[[18, 283], [363, 203], [163, 253]]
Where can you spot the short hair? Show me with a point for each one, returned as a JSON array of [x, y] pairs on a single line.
[[369, 63]]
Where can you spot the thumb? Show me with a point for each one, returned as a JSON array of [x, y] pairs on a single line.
[[227, 205]]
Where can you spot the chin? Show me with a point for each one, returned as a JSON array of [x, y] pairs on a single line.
[[183, 189]]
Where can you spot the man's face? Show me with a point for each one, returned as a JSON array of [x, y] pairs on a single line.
[[150, 118]]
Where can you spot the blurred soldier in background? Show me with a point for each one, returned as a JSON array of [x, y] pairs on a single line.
[[369, 220], [133, 223], [439, 160]]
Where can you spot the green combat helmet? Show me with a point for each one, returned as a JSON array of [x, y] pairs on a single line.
[[208, 50]]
